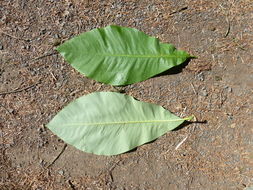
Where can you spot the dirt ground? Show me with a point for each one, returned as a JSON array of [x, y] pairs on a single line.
[[36, 83]]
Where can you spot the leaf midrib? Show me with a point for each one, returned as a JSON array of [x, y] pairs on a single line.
[[140, 55], [126, 122]]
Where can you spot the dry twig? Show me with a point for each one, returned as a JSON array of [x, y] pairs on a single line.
[[5, 108], [18, 90], [228, 29], [193, 88], [15, 37], [110, 169], [42, 56], [179, 144], [179, 10]]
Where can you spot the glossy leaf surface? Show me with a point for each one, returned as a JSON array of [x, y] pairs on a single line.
[[109, 123], [119, 55]]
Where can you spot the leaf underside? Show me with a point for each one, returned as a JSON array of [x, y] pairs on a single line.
[[119, 55], [109, 123]]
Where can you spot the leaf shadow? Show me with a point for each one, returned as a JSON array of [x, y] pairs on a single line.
[[186, 123], [134, 149], [183, 125], [175, 70], [172, 71]]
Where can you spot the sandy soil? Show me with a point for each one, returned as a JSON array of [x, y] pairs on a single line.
[[35, 83]]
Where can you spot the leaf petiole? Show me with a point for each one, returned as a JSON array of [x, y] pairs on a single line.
[[192, 117]]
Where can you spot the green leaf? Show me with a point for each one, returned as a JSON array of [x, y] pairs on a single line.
[[109, 123], [119, 56]]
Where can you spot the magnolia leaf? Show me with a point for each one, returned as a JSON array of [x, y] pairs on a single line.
[[109, 123], [119, 56]]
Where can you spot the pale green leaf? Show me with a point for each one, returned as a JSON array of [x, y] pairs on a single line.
[[109, 123], [119, 55]]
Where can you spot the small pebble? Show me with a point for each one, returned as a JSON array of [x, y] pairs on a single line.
[[1, 47], [33, 73], [229, 89], [233, 125], [230, 117], [41, 129], [19, 166], [200, 77], [42, 162], [24, 64], [61, 172], [203, 92], [43, 31], [64, 32], [56, 36], [58, 84]]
